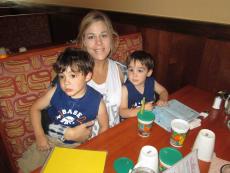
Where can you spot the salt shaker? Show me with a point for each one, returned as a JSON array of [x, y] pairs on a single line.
[[217, 102]]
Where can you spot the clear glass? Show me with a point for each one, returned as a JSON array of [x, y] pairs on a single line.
[[142, 170], [227, 106]]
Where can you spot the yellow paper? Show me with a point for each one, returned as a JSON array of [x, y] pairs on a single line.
[[75, 161]]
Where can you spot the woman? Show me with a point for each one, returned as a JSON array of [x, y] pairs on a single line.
[[98, 38]]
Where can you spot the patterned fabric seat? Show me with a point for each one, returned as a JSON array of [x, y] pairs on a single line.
[[23, 79]]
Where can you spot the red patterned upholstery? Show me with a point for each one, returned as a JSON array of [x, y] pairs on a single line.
[[128, 44], [23, 79]]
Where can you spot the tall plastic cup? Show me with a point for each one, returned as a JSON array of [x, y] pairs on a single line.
[[179, 131], [145, 122]]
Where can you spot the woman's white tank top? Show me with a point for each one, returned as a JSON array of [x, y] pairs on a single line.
[[111, 91]]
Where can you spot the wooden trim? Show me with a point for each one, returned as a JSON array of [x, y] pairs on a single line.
[[205, 29], [199, 28]]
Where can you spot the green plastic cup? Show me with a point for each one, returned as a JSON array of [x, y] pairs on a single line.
[[145, 122], [168, 157]]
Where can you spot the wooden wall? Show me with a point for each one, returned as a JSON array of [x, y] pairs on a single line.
[[185, 52], [185, 59], [24, 30]]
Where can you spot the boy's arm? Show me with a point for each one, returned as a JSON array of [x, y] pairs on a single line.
[[124, 111], [103, 118], [35, 114], [163, 94]]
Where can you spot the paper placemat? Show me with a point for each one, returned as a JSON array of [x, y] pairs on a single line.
[[175, 109], [189, 164]]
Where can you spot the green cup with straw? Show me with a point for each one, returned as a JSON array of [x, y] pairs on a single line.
[[145, 120]]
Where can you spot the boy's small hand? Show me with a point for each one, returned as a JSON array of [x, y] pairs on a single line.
[[79, 133], [42, 143], [161, 103], [149, 106], [89, 124]]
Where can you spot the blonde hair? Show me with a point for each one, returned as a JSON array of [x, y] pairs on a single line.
[[89, 19]]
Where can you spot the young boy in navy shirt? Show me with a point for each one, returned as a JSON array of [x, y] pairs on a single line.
[[140, 84], [72, 106]]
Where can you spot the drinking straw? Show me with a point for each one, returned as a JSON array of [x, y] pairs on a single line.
[[142, 105]]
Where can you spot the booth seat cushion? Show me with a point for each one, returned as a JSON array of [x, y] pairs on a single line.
[[128, 44], [24, 78]]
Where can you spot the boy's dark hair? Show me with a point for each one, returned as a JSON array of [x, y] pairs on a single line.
[[142, 56], [78, 60]]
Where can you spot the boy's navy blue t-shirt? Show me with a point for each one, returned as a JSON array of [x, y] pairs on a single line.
[[65, 111], [135, 97], [71, 112]]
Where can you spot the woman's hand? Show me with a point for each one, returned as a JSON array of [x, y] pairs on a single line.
[[79, 133]]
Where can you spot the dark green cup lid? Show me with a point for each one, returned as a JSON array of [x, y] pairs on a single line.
[[146, 115], [169, 156], [123, 165]]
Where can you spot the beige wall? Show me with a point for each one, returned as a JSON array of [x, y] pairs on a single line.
[[217, 11]]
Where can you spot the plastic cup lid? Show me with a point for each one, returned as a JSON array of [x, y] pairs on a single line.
[[169, 156], [146, 116], [123, 165]]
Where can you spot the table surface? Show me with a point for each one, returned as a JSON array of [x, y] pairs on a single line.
[[123, 140]]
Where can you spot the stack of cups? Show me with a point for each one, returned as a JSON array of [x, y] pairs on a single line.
[[148, 159], [205, 143]]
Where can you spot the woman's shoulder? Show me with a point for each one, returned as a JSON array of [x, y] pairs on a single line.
[[121, 67], [119, 64]]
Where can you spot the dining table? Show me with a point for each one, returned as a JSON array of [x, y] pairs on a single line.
[[123, 139]]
